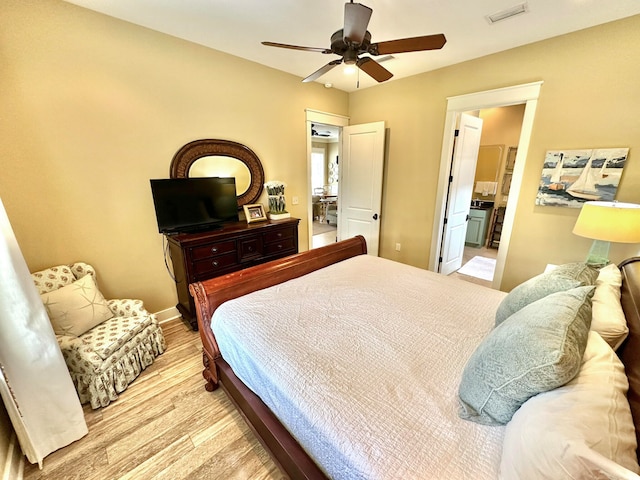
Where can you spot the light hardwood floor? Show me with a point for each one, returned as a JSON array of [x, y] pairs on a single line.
[[323, 234], [164, 426]]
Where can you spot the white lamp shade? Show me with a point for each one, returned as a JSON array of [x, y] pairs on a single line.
[[609, 222]]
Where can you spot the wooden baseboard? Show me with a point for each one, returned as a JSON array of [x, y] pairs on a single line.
[[13, 467]]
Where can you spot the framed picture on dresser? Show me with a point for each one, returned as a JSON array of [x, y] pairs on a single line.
[[254, 212]]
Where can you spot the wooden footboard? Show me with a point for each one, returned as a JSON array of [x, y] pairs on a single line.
[[210, 294]]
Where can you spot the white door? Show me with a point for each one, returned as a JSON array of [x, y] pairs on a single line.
[[360, 183], [465, 156]]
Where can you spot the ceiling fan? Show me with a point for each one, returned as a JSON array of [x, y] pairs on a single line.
[[353, 40], [319, 133]]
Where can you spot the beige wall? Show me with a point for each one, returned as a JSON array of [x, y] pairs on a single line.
[[589, 98], [501, 126], [93, 107]]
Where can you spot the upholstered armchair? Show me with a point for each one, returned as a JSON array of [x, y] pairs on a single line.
[[105, 344]]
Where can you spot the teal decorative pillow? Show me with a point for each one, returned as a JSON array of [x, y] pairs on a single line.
[[537, 349], [563, 277], [533, 289], [579, 271]]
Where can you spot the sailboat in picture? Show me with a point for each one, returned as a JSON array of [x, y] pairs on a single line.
[[585, 186], [571, 177], [555, 182]]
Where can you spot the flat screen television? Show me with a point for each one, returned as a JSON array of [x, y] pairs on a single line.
[[194, 204]]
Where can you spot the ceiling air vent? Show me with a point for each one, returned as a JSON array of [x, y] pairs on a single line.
[[508, 13]]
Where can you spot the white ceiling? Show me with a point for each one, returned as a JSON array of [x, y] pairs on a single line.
[[238, 26]]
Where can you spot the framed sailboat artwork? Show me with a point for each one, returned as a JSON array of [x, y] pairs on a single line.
[[571, 177]]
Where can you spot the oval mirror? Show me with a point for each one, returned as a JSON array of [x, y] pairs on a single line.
[[221, 158], [219, 166]]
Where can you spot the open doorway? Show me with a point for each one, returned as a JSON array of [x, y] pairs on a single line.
[[320, 122], [325, 190], [501, 128], [360, 165], [526, 94]]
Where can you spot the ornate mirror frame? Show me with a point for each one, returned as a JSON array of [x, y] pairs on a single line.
[[192, 151]]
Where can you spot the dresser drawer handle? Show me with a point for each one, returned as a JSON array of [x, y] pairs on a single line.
[[214, 249], [280, 246], [215, 263], [279, 234]]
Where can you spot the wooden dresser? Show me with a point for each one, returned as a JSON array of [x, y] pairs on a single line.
[[238, 245]]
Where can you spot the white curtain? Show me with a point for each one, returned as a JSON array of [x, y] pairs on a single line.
[[34, 381]]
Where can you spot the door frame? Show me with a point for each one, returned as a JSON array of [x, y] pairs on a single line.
[[315, 116], [502, 97]]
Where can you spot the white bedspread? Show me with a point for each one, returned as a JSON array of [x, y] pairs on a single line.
[[361, 361]]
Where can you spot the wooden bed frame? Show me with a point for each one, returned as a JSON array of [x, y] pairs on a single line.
[[286, 452]]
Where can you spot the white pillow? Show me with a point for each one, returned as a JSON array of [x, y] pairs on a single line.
[[583, 429], [74, 309], [608, 318]]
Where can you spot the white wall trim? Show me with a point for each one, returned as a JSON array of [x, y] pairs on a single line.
[[317, 116], [168, 314], [499, 97], [526, 93]]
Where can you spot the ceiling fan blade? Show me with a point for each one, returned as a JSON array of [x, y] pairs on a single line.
[[318, 73], [356, 19], [296, 47], [415, 44], [374, 69]]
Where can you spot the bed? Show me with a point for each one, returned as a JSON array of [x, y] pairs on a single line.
[[308, 446]]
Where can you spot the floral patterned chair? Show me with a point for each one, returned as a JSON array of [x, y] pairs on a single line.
[[106, 344]]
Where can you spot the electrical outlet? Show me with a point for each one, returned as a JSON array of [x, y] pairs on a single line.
[[295, 201], [397, 247]]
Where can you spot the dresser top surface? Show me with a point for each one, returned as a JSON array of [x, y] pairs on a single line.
[[231, 229]]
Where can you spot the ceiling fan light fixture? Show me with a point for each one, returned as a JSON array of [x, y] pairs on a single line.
[[508, 13], [350, 69], [350, 57]]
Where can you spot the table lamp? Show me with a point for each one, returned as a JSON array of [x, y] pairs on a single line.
[[606, 222]]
